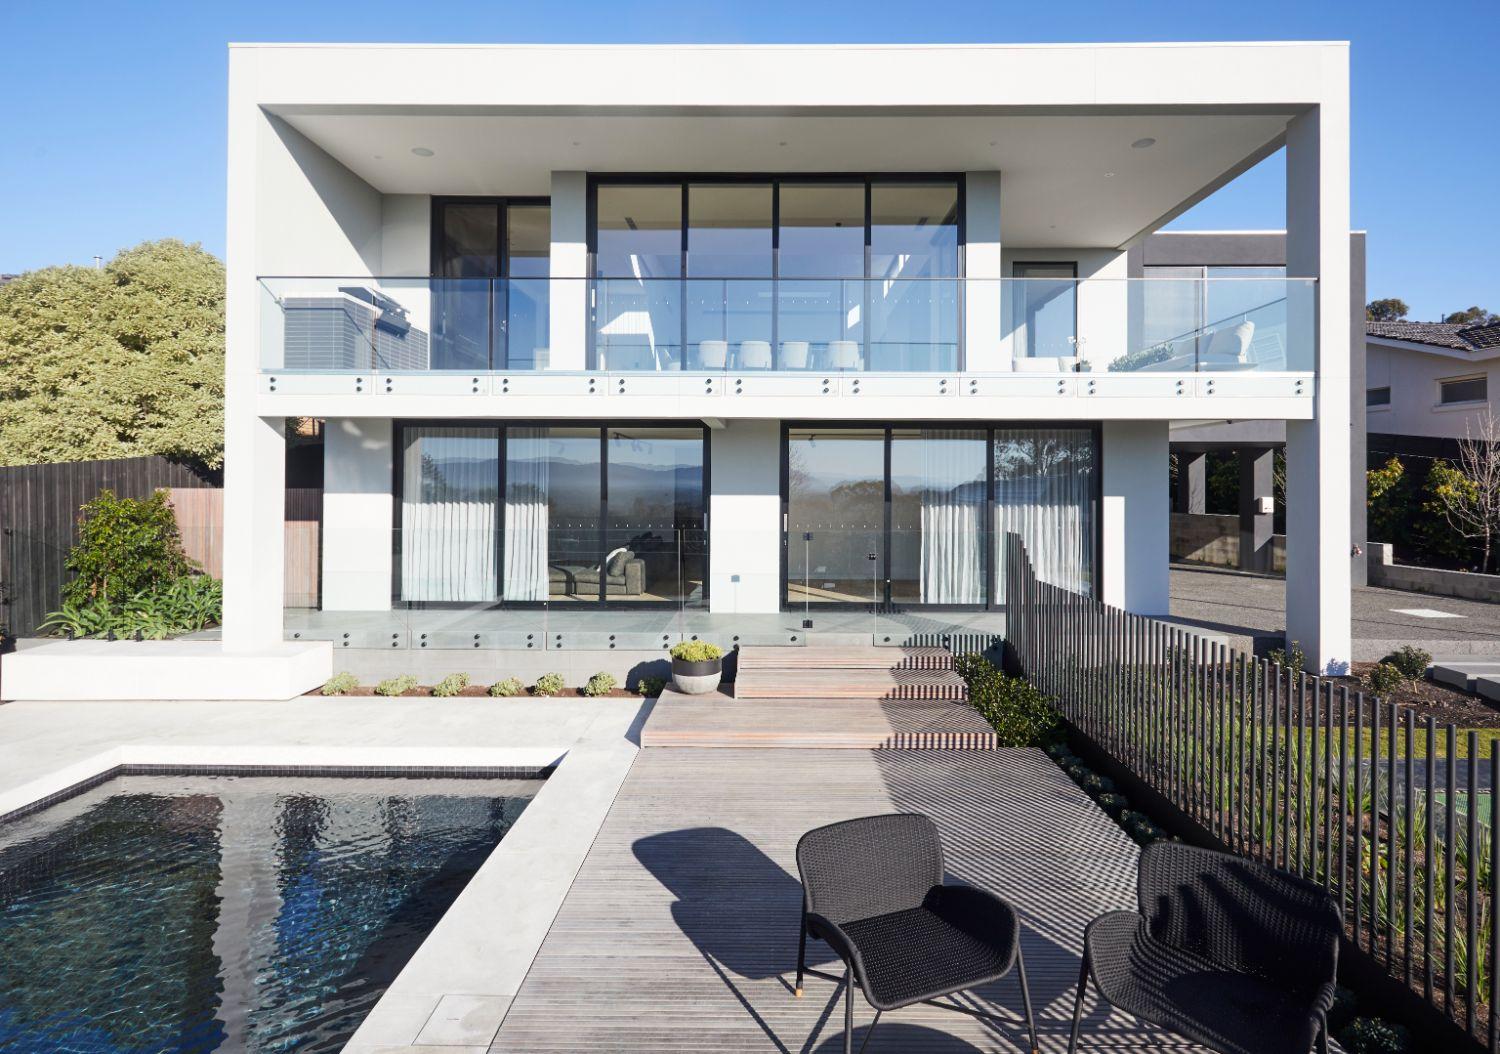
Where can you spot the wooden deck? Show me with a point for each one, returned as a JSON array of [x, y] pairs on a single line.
[[822, 724], [680, 930], [847, 673]]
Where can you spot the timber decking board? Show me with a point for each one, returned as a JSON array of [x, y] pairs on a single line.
[[679, 932], [693, 721], [847, 673]]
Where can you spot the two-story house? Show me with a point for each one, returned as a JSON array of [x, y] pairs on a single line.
[[761, 331]]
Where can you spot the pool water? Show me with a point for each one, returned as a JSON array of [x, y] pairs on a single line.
[[228, 913]]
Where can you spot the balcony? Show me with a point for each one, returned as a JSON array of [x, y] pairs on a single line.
[[834, 328]]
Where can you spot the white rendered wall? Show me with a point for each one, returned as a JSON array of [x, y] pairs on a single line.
[[570, 259], [1318, 542], [1135, 517], [1103, 307], [1413, 376], [983, 348], [358, 459], [745, 517]]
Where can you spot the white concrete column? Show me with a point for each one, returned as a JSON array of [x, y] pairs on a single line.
[[982, 271], [570, 262], [254, 528], [1318, 543], [1135, 517], [358, 459], [745, 517]]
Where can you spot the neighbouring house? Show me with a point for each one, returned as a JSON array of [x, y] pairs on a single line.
[[1178, 264], [603, 362], [1425, 382]]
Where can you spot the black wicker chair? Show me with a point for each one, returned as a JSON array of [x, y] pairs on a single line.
[[873, 891], [1227, 952]]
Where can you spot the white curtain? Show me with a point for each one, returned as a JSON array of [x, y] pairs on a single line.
[[449, 479], [1044, 489], [952, 517], [526, 521]]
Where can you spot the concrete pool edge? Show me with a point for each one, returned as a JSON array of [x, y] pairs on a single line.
[[454, 992]]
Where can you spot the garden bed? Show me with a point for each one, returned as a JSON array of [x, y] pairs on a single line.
[[478, 691], [1426, 699]]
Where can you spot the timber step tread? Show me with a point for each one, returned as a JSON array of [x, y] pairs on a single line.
[[870, 658], [815, 725], [838, 684]]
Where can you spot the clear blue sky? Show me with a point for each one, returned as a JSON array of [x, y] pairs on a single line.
[[113, 113]]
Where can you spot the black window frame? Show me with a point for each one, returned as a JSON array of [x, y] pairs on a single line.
[[775, 179], [398, 446], [1444, 382], [993, 601], [1370, 397]]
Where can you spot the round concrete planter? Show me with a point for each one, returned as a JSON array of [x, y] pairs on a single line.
[[696, 678]]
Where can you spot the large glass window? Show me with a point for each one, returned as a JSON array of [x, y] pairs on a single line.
[[638, 320], [450, 480], [528, 311], [835, 515], [571, 514], [490, 310], [905, 516], [1044, 493], [729, 276], [1044, 310], [913, 294]]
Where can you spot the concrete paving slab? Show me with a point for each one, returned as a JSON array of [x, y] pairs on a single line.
[[465, 1020]]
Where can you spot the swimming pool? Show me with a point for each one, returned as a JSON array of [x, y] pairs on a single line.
[[226, 913]]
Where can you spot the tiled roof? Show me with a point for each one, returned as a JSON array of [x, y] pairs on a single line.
[[1455, 335]]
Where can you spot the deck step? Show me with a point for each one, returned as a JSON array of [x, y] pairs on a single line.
[[869, 658], [819, 724], [849, 684]]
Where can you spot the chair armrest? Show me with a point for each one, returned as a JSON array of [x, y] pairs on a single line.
[[828, 931], [980, 913]]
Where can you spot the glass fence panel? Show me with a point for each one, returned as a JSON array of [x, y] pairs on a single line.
[[891, 325]]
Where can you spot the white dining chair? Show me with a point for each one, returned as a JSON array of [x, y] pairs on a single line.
[[794, 354], [843, 354], [713, 354], [755, 355]]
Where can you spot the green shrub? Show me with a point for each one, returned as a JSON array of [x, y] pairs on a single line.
[[396, 685], [1411, 660], [1290, 657], [549, 684], [1060, 753], [126, 546], [451, 685], [1342, 1011], [1094, 785], [341, 684], [1370, 1035], [651, 687], [1139, 827], [1385, 678], [1018, 712], [970, 666], [508, 687], [600, 684], [697, 651], [1113, 804]]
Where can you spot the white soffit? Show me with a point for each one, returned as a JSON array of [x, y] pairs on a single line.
[[1068, 179]]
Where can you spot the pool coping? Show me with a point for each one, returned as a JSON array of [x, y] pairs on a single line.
[[454, 992]]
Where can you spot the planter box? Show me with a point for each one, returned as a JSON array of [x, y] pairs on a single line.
[[697, 678]]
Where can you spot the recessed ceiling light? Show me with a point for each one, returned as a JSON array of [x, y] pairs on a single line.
[[993, 143], [1109, 175], [575, 142], [421, 151], [1142, 144], [782, 143]]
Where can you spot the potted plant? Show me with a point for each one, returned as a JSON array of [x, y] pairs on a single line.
[[696, 667]]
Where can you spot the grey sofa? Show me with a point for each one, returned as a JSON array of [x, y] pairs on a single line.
[[624, 575]]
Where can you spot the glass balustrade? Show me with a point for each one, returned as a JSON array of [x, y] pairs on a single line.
[[787, 325]]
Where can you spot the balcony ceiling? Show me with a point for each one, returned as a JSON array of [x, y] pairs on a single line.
[[1068, 179]]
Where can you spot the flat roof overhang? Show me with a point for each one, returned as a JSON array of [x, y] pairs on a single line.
[[1057, 121]]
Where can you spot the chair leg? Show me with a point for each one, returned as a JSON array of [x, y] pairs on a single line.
[[848, 1010], [1026, 998], [801, 958], [869, 1032], [1083, 984]]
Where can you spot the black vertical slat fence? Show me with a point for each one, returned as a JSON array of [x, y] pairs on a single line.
[[39, 523], [1395, 817]]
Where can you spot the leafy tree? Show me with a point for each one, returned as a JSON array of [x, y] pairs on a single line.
[[120, 361], [1473, 316], [125, 546], [1389, 309], [1389, 500]]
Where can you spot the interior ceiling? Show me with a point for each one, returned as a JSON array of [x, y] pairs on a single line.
[[1066, 180]]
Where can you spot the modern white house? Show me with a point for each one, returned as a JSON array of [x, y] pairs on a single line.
[[1428, 384], [770, 334]]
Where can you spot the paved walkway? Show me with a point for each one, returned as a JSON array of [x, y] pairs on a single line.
[[680, 930], [1246, 606]]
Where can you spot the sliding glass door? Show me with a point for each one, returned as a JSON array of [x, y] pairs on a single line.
[[917, 516], [530, 514]]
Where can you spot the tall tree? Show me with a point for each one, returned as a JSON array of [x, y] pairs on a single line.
[[1389, 309], [119, 361], [1473, 316]]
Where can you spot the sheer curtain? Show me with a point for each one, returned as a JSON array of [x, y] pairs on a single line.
[[952, 515], [1044, 491], [527, 473], [450, 480]]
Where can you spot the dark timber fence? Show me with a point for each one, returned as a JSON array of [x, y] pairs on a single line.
[[39, 523], [1393, 814]]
